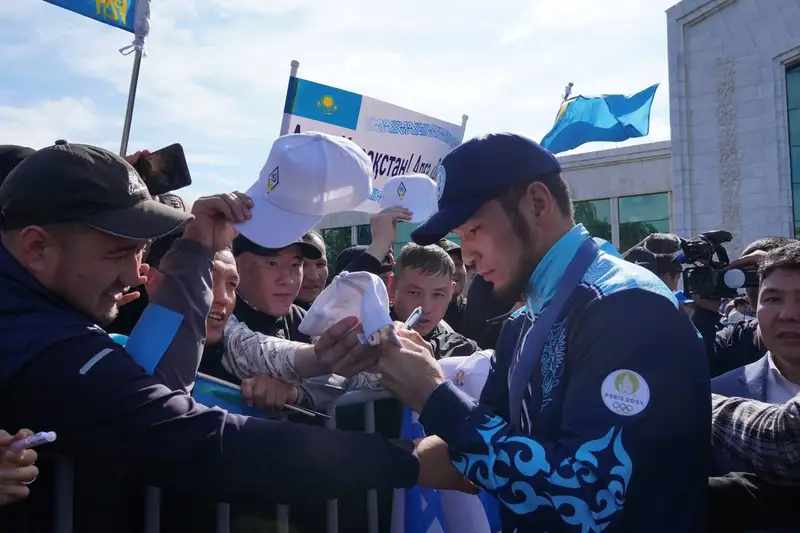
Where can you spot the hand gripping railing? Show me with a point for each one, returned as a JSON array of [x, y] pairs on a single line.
[[64, 486]]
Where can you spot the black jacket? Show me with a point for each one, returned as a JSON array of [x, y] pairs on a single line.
[[728, 347], [283, 327], [455, 314]]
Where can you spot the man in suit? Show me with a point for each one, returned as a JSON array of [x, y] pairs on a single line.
[[775, 377]]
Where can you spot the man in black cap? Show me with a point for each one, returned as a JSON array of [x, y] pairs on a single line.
[[594, 383], [664, 265], [74, 220], [356, 259], [270, 279]]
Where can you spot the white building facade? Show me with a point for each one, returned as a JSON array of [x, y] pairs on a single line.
[[734, 159], [734, 116]]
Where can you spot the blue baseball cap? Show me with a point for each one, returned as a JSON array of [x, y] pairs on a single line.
[[476, 172]]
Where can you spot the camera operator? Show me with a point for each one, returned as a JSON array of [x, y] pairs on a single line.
[[657, 253], [737, 344]]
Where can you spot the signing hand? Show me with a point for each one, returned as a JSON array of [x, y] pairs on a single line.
[[410, 371], [17, 470], [214, 216], [268, 393], [338, 351], [436, 470]]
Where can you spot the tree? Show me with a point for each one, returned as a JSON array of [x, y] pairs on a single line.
[[586, 214], [631, 233]]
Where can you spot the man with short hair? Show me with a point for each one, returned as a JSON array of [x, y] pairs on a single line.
[[739, 344], [593, 385], [424, 276], [66, 259], [738, 310], [767, 437], [270, 279], [775, 378]]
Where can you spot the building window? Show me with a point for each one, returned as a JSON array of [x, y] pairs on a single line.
[[404, 230], [336, 240], [595, 215], [639, 216], [363, 234], [793, 105]]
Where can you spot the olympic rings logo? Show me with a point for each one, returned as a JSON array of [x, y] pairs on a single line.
[[623, 407]]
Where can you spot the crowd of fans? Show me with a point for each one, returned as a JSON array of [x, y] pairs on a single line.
[[242, 305]]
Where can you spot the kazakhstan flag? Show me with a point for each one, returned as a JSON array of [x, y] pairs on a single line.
[[122, 14], [607, 118]]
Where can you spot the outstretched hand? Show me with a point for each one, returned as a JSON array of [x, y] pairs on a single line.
[[436, 470]]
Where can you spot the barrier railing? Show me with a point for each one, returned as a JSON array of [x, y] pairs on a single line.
[[64, 486]]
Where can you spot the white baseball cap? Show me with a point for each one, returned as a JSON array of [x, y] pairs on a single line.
[[415, 192], [307, 176], [470, 372], [359, 294]]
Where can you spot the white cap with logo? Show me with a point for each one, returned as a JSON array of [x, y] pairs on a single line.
[[415, 192], [307, 176], [358, 294], [470, 372]]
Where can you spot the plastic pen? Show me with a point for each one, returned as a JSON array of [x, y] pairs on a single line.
[[413, 318], [37, 439]]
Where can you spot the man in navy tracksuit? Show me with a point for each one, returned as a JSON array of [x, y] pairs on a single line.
[[595, 416]]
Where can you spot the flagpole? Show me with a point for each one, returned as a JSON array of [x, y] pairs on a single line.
[[126, 129], [564, 98], [294, 65]]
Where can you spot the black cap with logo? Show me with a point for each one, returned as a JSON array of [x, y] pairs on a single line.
[[449, 246], [348, 255], [242, 244], [85, 184]]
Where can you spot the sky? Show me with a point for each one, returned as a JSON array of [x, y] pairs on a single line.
[[216, 71]]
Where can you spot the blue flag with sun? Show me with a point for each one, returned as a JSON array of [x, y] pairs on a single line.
[[323, 103]]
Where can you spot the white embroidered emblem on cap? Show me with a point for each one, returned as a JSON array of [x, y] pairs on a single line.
[[273, 180], [441, 178], [136, 186]]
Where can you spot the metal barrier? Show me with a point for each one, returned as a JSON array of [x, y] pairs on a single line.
[[65, 472]]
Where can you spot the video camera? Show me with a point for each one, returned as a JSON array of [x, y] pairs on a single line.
[[710, 278]]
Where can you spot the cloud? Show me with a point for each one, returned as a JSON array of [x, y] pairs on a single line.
[[215, 74], [48, 120]]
